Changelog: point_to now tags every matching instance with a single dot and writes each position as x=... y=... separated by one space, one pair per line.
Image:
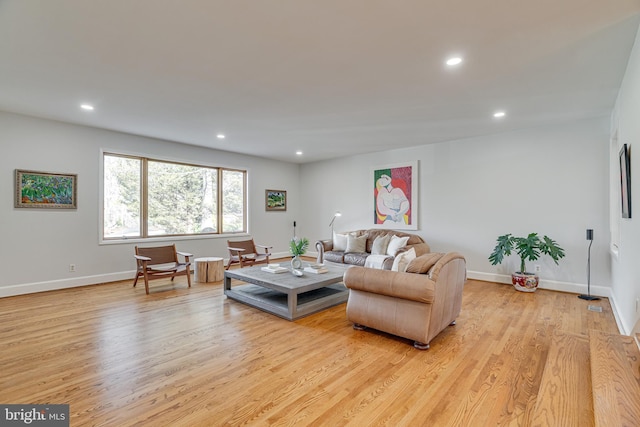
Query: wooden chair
x=244 y=252
x=161 y=261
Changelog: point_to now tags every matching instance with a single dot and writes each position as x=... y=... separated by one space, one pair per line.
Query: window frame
x=144 y=235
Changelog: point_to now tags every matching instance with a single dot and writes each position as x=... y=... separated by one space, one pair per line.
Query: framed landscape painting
x=395 y=196
x=275 y=200
x=45 y=190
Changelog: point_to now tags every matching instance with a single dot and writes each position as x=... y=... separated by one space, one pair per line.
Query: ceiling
x=330 y=78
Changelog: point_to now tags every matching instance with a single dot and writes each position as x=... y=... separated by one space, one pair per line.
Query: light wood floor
x=189 y=357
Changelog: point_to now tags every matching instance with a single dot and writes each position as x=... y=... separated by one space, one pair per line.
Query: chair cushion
x=401 y=262
x=164 y=267
x=423 y=263
x=376 y=261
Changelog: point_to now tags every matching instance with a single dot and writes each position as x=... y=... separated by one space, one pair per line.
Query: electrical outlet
x=72 y=268
x=537 y=268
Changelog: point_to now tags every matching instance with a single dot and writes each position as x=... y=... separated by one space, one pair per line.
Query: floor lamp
x=335 y=215
x=588 y=296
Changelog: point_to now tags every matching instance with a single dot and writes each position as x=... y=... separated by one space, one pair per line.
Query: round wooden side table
x=209 y=269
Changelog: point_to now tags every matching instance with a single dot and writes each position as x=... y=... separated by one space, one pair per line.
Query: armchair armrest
x=434 y=272
x=266 y=249
x=238 y=250
x=186 y=255
x=142 y=258
x=410 y=286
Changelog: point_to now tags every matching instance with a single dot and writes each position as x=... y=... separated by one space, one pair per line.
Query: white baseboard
x=52 y=285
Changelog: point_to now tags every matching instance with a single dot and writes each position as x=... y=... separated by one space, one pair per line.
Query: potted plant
x=528 y=249
x=298 y=247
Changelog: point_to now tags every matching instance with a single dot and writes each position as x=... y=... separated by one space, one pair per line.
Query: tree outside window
x=146 y=198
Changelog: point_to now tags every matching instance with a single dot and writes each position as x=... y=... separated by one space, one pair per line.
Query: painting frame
x=397 y=207
x=275 y=200
x=625 y=181
x=45 y=190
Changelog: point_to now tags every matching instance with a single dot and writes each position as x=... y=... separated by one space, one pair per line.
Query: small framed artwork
x=275 y=200
x=45 y=190
x=625 y=181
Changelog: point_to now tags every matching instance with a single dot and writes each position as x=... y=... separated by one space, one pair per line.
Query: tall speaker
x=588 y=296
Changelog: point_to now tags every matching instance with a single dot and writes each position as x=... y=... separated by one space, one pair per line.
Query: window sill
x=160 y=239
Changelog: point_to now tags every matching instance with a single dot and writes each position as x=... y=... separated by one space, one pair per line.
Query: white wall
x=552 y=181
x=626 y=268
x=38 y=244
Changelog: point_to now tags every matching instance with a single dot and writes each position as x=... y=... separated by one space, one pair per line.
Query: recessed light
x=87 y=107
x=220 y=136
x=299 y=153
x=454 y=61
x=499 y=114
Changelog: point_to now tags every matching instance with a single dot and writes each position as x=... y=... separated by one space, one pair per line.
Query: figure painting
x=395 y=195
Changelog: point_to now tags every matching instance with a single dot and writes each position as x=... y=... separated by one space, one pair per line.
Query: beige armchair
x=417 y=304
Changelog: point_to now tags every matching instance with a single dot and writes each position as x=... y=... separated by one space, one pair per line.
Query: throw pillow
x=356 y=244
x=401 y=262
x=339 y=242
x=423 y=263
x=380 y=245
x=396 y=243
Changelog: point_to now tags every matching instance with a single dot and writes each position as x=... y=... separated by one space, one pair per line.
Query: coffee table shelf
x=284 y=294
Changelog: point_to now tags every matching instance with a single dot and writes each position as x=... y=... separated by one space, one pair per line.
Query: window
x=146 y=198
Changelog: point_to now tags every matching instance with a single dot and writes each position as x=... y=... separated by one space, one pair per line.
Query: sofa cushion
x=401 y=262
x=396 y=243
x=372 y=233
x=380 y=245
x=356 y=244
x=334 y=256
x=339 y=242
x=355 y=258
x=423 y=263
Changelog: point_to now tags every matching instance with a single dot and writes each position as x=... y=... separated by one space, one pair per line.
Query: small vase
x=525 y=282
x=296 y=262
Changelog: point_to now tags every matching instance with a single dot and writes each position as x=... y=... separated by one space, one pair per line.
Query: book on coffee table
x=315 y=270
x=277 y=269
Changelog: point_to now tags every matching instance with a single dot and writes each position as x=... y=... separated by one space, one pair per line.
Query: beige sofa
x=417 y=304
x=326 y=251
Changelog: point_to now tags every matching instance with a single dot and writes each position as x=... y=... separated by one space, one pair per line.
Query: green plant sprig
x=298 y=247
